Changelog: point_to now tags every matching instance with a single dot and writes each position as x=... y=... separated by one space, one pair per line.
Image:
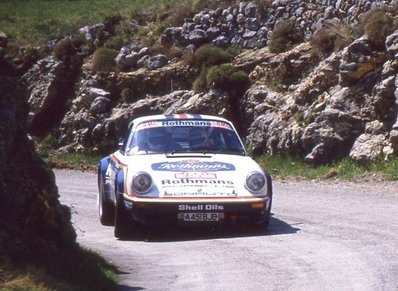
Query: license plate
x=199 y=216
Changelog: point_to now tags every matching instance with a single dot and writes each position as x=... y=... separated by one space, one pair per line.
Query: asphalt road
x=322 y=236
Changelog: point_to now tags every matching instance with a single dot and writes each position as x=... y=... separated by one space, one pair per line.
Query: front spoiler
x=165 y=211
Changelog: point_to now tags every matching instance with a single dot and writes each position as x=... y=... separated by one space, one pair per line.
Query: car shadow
x=189 y=233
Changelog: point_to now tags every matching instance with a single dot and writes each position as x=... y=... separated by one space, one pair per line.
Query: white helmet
x=197 y=137
x=156 y=138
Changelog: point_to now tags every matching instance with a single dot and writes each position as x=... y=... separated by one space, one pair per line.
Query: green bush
x=68 y=46
x=111 y=21
x=200 y=84
x=227 y=77
x=178 y=14
x=116 y=42
x=377 y=25
x=207 y=55
x=63 y=48
x=299 y=117
x=323 y=41
x=284 y=36
x=345 y=33
x=103 y=60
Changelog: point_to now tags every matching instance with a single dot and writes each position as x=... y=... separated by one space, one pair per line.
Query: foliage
x=207 y=55
x=303 y=119
x=170 y=51
x=68 y=46
x=281 y=166
x=334 y=37
x=299 y=117
x=77 y=161
x=227 y=77
x=176 y=15
x=323 y=41
x=200 y=83
x=285 y=167
x=115 y=43
x=46 y=19
x=377 y=25
x=103 y=60
x=284 y=36
x=74 y=270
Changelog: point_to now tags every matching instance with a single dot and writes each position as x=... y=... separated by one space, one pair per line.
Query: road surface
x=322 y=236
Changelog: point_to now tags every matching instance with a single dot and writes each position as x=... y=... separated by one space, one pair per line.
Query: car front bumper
x=231 y=212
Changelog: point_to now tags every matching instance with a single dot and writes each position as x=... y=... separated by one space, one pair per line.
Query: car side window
x=126 y=140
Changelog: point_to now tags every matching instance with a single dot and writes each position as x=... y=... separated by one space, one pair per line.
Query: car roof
x=141 y=119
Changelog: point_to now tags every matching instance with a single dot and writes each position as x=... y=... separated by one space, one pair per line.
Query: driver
x=157 y=139
x=198 y=138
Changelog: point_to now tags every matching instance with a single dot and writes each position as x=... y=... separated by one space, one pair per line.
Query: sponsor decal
x=175 y=193
x=184 y=122
x=184 y=181
x=200 y=123
x=200 y=207
x=149 y=124
x=193 y=166
x=196 y=175
x=198 y=187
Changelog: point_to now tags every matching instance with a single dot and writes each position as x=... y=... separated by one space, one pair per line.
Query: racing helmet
x=197 y=137
x=156 y=138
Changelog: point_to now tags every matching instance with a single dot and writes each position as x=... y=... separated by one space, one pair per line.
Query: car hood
x=192 y=175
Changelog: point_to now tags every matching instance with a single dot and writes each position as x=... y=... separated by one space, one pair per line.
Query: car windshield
x=183 y=136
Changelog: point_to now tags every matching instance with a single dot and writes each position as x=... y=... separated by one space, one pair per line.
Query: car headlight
x=142 y=182
x=256 y=182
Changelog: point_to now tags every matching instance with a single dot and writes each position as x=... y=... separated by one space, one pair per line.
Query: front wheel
x=263 y=224
x=122 y=220
x=106 y=210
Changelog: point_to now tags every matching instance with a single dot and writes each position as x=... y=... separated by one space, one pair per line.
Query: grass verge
x=280 y=167
x=294 y=167
x=33 y=21
x=75 y=270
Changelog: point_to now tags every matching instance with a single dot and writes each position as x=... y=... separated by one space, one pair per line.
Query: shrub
x=111 y=21
x=227 y=77
x=303 y=119
x=323 y=41
x=200 y=84
x=207 y=55
x=345 y=33
x=284 y=36
x=116 y=42
x=103 y=60
x=63 y=48
x=334 y=37
x=199 y=5
x=377 y=25
x=68 y=46
x=299 y=117
x=127 y=95
x=182 y=11
x=170 y=51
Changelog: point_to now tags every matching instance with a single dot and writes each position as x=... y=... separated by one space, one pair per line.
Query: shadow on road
x=185 y=233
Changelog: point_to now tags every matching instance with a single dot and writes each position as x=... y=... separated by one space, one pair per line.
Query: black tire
x=123 y=222
x=106 y=210
x=263 y=225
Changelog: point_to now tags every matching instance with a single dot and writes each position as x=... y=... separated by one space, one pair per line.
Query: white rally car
x=181 y=169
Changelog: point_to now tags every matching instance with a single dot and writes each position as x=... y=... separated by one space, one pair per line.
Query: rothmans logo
x=193 y=166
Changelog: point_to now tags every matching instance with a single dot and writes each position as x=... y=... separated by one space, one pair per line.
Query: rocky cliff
x=32 y=221
x=303 y=98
